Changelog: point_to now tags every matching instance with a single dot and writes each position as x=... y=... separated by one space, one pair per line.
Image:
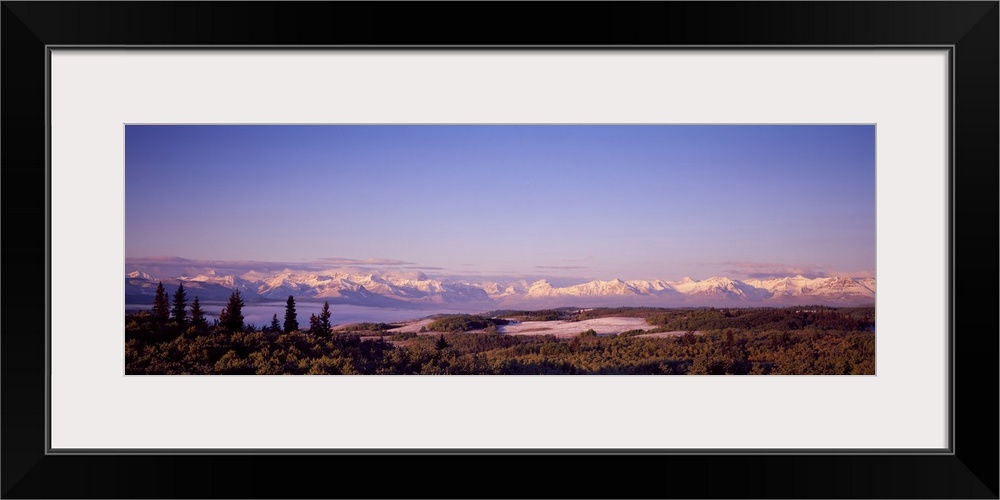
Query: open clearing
x=560 y=329
x=568 y=329
x=413 y=327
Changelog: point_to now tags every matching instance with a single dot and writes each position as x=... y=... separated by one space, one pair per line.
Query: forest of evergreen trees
x=174 y=338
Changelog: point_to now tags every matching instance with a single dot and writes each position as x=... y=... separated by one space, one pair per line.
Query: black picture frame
x=970 y=29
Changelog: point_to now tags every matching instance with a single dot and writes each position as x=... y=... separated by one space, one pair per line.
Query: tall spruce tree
x=231 y=318
x=441 y=343
x=324 y=319
x=291 y=324
x=314 y=325
x=198 y=315
x=161 y=306
x=180 y=306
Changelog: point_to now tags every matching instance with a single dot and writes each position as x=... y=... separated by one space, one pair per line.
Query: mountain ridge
x=417 y=290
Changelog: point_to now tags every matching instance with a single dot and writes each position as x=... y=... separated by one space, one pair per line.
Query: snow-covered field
x=560 y=329
x=413 y=327
x=568 y=329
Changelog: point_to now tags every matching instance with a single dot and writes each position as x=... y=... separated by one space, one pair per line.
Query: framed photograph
x=465 y=246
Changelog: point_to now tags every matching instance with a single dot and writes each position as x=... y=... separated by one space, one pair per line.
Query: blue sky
x=561 y=201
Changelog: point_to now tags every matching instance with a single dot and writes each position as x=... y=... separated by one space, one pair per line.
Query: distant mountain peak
x=139 y=275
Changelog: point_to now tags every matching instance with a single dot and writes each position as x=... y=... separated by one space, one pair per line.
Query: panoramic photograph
x=499 y=250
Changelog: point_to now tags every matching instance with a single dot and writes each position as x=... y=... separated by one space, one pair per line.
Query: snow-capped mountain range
x=397 y=289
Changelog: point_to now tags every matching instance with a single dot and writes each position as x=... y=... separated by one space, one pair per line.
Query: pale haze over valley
x=489 y=216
